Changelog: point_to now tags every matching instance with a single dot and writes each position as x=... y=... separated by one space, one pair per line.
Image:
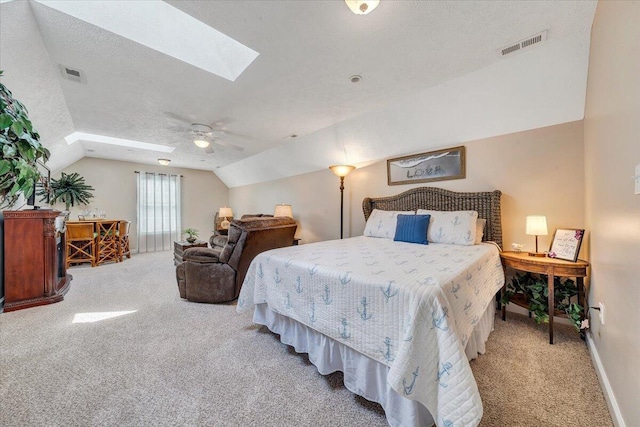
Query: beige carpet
x=163 y=362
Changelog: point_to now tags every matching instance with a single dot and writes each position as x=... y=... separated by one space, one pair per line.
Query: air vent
x=73 y=74
x=523 y=44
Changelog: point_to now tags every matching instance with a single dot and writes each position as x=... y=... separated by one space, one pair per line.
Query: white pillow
x=451 y=227
x=383 y=223
x=480 y=223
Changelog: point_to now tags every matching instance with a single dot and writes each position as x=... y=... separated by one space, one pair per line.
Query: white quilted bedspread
x=411 y=307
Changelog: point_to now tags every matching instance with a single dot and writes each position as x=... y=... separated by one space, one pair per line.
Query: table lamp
x=283 y=210
x=536 y=226
x=225 y=212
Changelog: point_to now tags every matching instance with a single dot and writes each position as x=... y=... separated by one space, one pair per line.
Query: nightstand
x=180 y=247
x=552 y=267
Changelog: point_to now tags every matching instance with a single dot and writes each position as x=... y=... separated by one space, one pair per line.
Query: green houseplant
x=20 y=152
x=191 y=233
x=70 y=189
x=536 y=293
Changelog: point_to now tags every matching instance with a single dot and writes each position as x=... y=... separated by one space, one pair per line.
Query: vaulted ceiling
x=419 y=61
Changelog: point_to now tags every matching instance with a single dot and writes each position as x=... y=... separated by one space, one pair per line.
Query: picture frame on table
x=566 y=244
x=438 y=165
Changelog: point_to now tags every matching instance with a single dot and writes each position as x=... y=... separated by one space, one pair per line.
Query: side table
x=180 y=247
x=552 y=267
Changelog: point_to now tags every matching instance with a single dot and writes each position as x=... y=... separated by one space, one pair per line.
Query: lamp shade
x=362 y=7
x=283 y=210
x=342 y=170
x=225 y=212
x=536 y=225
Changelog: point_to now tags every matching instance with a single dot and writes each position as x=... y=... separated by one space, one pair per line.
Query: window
x=159 y=211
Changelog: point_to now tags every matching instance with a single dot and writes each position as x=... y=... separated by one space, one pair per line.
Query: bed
x=400 y=320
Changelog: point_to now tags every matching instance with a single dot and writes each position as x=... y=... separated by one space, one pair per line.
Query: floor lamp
x=341 y=171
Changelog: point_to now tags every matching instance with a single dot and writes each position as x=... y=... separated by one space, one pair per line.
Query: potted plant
x=71 y=189
x=535 y=291
x=191 y=233
x=21 y=149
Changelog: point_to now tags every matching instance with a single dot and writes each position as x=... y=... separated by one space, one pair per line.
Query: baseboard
x=614 y=409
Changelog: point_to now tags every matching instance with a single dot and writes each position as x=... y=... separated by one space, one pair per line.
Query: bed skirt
x=363 y=375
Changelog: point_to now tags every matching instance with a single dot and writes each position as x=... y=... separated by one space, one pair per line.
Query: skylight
x=81 y=136
x=164 y=28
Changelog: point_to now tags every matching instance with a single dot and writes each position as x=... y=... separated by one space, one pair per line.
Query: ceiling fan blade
x=227 y=144
x=178 y=117
x=209 y=149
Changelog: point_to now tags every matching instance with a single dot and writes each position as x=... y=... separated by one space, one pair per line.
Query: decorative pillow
x=480 y=223
x=412 y=229
x=383 y=223
x=452 y=227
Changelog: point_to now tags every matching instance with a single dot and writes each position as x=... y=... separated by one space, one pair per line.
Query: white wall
x=539 y=172
x=115 y=192
x=612 y=149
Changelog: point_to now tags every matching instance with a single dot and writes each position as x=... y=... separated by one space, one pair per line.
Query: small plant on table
x=192 y=234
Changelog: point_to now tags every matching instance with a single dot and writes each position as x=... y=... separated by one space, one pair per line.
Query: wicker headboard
x=487 y=204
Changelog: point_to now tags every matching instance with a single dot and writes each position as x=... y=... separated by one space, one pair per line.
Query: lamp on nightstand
x=225 y=213
x=536 y=226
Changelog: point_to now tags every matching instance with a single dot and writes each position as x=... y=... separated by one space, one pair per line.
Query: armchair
x=216 y=275
x=218 y=239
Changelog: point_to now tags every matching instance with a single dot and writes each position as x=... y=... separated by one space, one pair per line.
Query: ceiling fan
x=204 y=135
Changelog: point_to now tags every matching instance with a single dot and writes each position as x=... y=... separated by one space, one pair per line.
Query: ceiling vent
x=523 y=44
x=73 y=74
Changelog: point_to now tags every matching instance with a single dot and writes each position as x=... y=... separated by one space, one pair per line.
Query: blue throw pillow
x=412 y=229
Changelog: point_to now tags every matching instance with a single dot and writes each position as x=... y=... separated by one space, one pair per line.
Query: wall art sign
x=437 y=165
x=566 y=244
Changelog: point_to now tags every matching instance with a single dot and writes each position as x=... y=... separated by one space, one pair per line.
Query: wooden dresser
x=34 y=268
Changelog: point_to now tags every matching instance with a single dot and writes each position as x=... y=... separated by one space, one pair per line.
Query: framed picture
x=437 y=165
x=566 y=244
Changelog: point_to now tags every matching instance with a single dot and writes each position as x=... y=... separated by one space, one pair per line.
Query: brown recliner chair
x=213 y=275
x=218 y=240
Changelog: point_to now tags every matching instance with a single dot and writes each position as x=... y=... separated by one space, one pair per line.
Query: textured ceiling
x=299 y=84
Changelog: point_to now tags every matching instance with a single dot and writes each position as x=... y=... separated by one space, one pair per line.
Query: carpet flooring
x=123 y=349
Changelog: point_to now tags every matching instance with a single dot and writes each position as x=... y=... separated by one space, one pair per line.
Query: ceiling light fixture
x=164 y=162
x=355 y=78
x=200 y=132
x=362 y=7
x=201 y=142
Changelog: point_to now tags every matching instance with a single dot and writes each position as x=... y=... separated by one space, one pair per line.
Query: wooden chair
x=107 y=241
x=123 y=240
x=81 y=244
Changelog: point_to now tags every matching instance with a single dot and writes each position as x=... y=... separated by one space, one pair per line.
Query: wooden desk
x=551 y=267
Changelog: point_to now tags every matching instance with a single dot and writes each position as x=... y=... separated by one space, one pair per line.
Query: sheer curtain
x=159 y=211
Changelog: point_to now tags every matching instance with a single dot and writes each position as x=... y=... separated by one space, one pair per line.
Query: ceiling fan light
x=362 y=7
x=201 y=142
